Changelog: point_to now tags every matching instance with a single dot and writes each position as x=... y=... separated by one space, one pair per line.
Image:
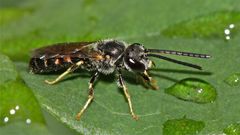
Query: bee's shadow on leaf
x=179 y=71
x=156 y=73
x=133 y=78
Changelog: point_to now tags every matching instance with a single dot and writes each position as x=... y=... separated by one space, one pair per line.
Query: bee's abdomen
x=38 y=65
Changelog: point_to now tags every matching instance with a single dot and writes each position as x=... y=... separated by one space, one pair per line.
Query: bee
x=102 y=57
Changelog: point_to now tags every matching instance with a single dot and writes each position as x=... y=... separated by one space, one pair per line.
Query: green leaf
x=208 y=26
x=7 y=69
x=18 y=128
x=11 y=14
x=182 y=126
x=233 y=80
x=232 y=129
x=133 y=21
x=192 y=89
x=19 y=110
x=17 y=97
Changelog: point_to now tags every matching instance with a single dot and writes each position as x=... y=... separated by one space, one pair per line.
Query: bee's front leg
x=149 y=80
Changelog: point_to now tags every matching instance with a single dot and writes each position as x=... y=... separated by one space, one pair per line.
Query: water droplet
x=193 y=89
x=28 y=121
x=228 y=38
x=12 y=112
x=227 y=31
x=232 y=129
x=231 y=26
x=182 y=126
x=17 y=107
x=233 y=80
x=200 y=90
x=6 y=119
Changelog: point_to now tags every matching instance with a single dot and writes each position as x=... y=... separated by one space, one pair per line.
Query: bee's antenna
x=178 y=53
x=175 y=61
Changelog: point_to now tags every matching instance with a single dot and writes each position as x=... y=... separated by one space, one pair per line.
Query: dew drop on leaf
x=17 y=107
x=193 y=89
x=231 y=26
x=6 y=119
x=182 y=126
x=28 y=121
x=12 y=111
x=228 y=37
x=227 y=31
x=232 y=129
x=233 y=80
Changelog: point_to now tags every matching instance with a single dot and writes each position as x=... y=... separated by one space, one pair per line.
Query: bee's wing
x=62 y=50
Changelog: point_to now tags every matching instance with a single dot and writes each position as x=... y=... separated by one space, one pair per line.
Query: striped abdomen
x=58 y=56
x=38 y=65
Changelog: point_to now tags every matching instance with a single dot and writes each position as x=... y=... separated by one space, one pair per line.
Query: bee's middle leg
x=126 y=93
x=90 y=95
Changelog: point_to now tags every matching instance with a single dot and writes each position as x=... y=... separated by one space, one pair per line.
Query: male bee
x=102 y=57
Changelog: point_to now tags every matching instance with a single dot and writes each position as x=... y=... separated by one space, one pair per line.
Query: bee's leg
x=90 y=95
x=69 y=70
x=122 y=84
x=144 y=82
x=150 y=80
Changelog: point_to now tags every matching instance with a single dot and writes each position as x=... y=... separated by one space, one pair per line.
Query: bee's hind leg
x=69 y=70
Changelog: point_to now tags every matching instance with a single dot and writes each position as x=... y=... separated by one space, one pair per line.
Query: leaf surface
x=20 y=112
x=155 y=24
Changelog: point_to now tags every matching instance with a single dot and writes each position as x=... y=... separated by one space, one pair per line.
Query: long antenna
x=196 y=55
x=175 y=61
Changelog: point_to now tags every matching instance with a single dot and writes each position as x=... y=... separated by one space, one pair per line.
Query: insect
x=102 y=57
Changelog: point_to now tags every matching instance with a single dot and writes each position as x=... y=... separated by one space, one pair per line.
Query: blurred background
x=28 y=106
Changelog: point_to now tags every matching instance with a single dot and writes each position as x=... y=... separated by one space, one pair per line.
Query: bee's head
x=135 y=58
